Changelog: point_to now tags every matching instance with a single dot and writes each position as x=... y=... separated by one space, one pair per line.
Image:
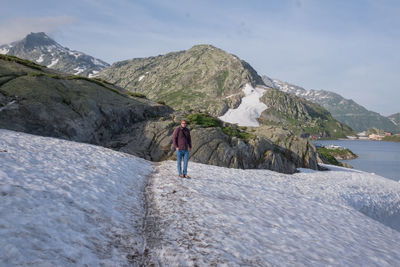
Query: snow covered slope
x=261 y=218
x=64 y=203
x=249 y=110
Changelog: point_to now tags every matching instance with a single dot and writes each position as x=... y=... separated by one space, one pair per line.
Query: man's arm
x=190 y=141
x=175 y=138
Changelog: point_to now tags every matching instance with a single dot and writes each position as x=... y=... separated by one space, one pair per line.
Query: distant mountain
x=40 y=48
x=208 y=79
x=344 y=110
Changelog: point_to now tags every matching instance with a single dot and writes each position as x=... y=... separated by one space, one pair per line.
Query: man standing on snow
x=183 y=145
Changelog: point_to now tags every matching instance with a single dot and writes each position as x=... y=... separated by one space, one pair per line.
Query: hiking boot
x=182 y=176
x=186 y=176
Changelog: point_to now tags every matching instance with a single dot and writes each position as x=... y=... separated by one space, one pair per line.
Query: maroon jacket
x=181 y=138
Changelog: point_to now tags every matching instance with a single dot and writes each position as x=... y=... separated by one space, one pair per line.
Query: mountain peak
x=207 y=48
x=203 y=46
x=40 y=48
x=33 y=40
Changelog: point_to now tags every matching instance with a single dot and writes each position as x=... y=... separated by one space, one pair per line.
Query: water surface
x=380 y=157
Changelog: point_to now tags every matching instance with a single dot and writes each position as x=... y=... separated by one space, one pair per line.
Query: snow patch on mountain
x=141 y=77
x=249 y=110
x=79 y=70
x=93 y=74
x=6 y=106
x=95 y=61
x=53 y=63
x=40 y=59
x=4 y=50
x=394 y=121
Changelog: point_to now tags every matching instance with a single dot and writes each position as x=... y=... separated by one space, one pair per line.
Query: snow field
x=233 y=217
x=249 y=110
x=64 y=203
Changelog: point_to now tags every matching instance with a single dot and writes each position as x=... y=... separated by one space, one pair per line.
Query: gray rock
x=152 y=140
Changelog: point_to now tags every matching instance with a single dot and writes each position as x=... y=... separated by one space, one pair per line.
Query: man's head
x=183 y=123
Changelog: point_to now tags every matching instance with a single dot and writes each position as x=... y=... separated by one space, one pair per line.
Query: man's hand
x=177 y=149
x=190 y=149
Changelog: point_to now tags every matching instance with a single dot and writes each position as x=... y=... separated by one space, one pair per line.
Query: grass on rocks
x=205 y=120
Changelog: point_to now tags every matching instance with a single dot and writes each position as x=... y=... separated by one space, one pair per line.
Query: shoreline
x=381 y=158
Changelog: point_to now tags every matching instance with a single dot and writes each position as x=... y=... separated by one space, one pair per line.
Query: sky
x=348 y=47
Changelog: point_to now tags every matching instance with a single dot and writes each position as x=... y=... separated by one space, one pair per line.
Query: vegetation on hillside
x=338 y=153
x=21 y=61
x=205 y=120
x=326 y=154
x=331 y=156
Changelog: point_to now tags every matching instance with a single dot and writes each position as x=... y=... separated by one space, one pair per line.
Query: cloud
x=18 y=28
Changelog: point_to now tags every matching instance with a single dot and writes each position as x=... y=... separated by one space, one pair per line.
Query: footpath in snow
x=258 y=218
x=64 y=203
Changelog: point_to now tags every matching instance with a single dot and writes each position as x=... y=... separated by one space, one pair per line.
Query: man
x=183 y=145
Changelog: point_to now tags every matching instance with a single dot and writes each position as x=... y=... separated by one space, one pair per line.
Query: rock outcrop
x=47 y=103
x=153 y=141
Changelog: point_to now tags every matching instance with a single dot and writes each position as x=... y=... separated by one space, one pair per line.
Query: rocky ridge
x=344 y=110
x=301 y=116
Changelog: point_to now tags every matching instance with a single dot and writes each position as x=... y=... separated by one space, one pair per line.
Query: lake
x=382 y=158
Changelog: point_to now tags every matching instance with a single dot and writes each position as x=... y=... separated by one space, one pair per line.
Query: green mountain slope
x=207 y=79
x=199 y=78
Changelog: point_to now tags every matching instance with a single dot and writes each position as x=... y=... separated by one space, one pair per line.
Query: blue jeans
x=185 y=155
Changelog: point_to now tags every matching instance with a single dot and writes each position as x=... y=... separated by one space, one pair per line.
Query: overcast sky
x=350 y=47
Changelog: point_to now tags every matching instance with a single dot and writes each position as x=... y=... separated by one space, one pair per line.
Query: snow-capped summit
x=40 y=48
